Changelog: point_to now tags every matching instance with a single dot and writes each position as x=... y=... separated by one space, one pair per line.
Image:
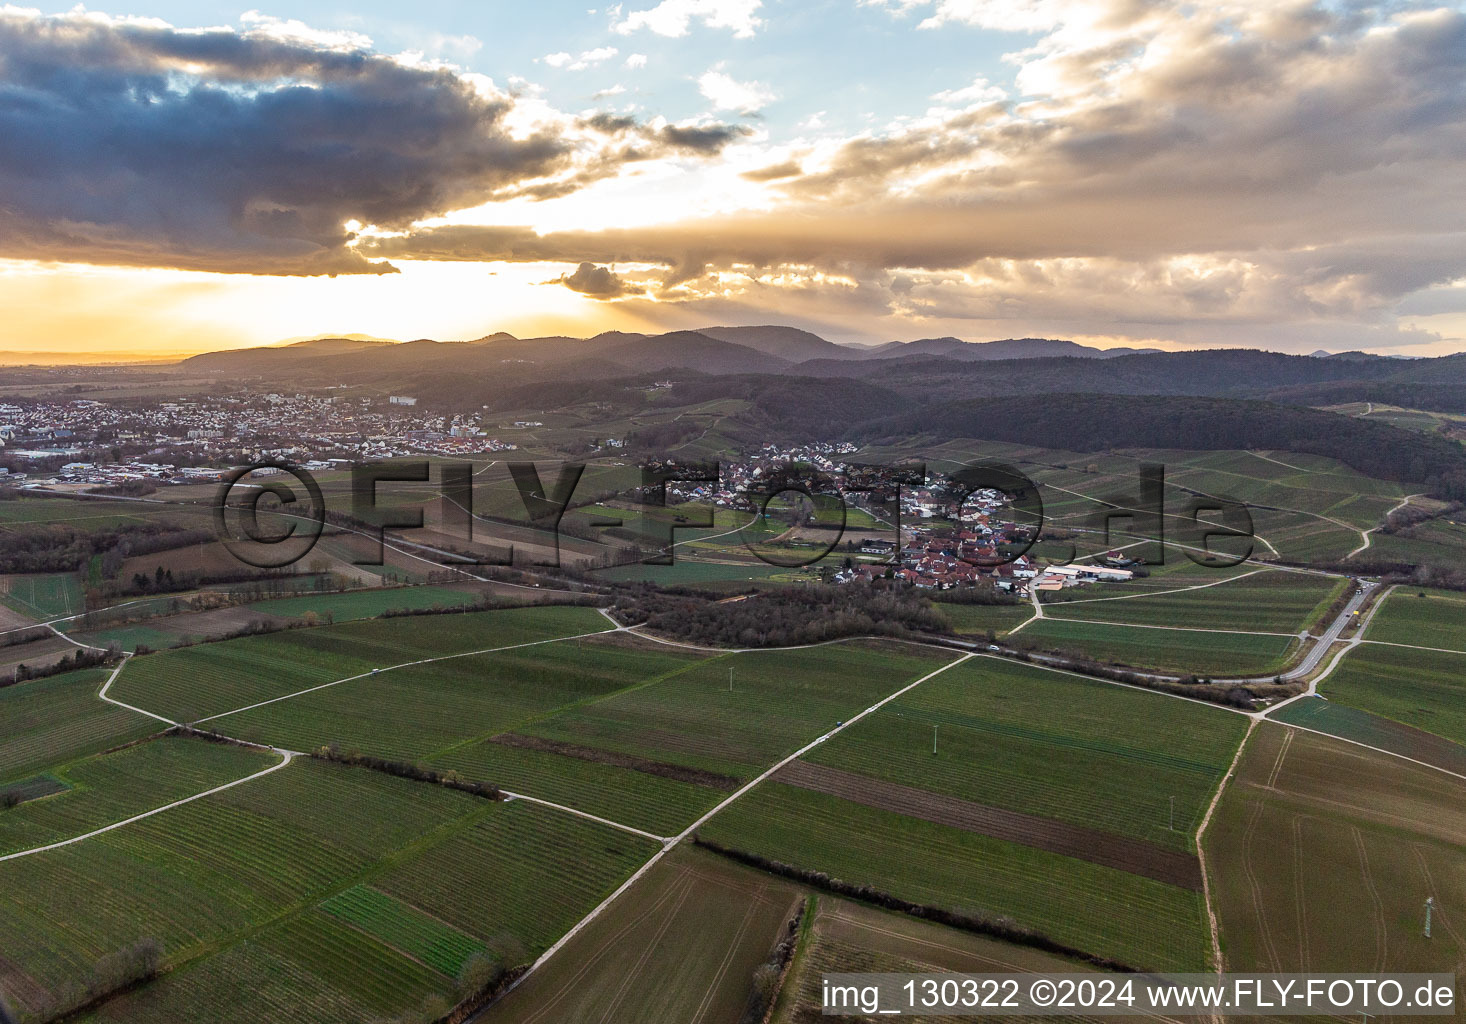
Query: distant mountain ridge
x=710 y=349
x=1008 y=348
x=484 y=371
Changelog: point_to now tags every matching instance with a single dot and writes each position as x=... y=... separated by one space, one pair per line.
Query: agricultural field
x=345 y=606
x=329 y=893
x=1321 y=855
x=1306 y=507
x=1261 y=601
x=1093 y=755
x=130 y=638
x=43 y=652
x=1181 y=651
x=211 y=679
x=519 y=877
x=659 y=804
x=736 y=714
x=82 y=514
x=193 y=876
x=421 y=712
x=685 y=571
x=1041 y=807
x=1349 y=723
x=1423 y=689
x=1438 y=543
x=845 y=936
x=422 y=937
x=1136 y=920
x=310 y=969
x=50 y=722
x=106 y=788
x=1421 y=618
x=1290 y=481
x=680 y=945
x=980 y=619
x=42 y=595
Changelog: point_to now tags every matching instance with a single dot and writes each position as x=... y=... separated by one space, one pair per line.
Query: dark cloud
x=787 y=169
x=709 y=138
x=132 y=143
x=648 y=140
x=597 y=282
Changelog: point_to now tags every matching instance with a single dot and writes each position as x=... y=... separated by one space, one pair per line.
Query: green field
x=130 y=638
x=1348 y=723
x=319 y=885
x=1439 y=543
x=1101 y=910
x=1421 y=618
x=43 y=596
x=658 y=805
x=425 y=711
x=309 y=969
x=421 y=937
x=49 y=722
x=1423 y=689
x=1321 y=855
x=365 y=604
x=84 y=514
x=1089 y=753
x=687 y=571
x=980 y=619
x=211 y=679
x=773 y=703
x=196 y=875
x=111 y=787
x=1181 y=651
x=1271 y=602
x=519 y=878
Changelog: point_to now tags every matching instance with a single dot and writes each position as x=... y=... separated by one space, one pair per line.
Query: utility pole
x=1173 y=814
x=1429 y=903
x=730 y=678
x=934 y=739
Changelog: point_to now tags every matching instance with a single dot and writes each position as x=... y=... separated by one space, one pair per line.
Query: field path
x=1254 y=889
x=1278 y=462
x=286 y=757
x=700 y=822
x=392 y=668
x=1211 y=915
x=102 y=693
x=1300 y=900
x=586 y=815
x=1174 y=590
x=1381 y=931
x=1367 y=536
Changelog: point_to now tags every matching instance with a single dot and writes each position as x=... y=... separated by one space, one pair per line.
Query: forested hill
x=1087 y=423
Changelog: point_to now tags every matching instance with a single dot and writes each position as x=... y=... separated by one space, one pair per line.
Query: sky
x=177 y=177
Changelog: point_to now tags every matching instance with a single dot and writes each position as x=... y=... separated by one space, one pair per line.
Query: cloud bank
x=130 y=142
x=1242 y=163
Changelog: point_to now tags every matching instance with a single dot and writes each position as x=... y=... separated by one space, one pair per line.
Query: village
x=59 y=442
x=948 y=538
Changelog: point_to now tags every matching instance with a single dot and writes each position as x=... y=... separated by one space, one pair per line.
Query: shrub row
x=88 y=657
x=979 y=924
x=406 y=770
x=768 y=977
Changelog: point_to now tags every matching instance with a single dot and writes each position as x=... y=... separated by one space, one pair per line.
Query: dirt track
x=1132 y=855
x=696 y=776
